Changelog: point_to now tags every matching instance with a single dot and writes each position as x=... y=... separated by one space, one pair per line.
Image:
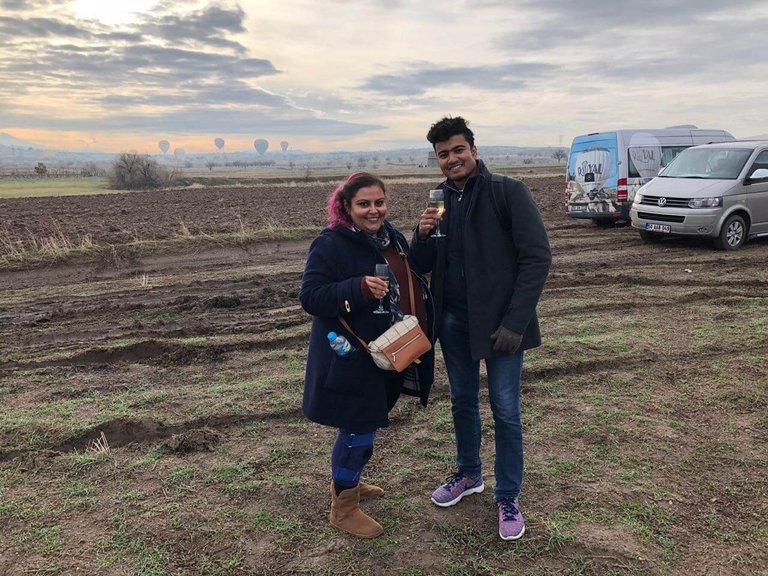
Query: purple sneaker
x=455 y=489
x=511 y=522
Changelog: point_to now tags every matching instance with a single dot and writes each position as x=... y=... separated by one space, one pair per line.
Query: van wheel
x=649 y=237
x=733 y=234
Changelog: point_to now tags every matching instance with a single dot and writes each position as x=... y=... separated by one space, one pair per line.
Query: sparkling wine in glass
x=437 y=200
x=382 y=271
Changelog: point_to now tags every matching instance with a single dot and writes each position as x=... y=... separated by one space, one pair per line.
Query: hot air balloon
x=179 y=153
x=284 y=145
x=594 y=168
x=164 y=145
x=645 y=152
x=261 y=145
x=219 y=143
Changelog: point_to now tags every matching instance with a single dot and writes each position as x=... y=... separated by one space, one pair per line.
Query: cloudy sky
x=374 y=74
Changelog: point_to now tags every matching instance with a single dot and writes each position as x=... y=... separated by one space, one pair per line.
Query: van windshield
x=708 y=163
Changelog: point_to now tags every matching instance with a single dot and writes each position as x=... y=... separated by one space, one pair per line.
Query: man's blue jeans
x=504 y=372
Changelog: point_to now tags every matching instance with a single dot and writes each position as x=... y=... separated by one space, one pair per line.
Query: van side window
x=652 y=166
x=761 y=161
x=668 y=153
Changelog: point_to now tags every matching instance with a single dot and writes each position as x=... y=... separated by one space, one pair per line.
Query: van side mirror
x=759 y=174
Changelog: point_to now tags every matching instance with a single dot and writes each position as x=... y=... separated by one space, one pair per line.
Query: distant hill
x=8 y=140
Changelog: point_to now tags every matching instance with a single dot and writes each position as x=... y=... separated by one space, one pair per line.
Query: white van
x=605 y=169
x=717 y=191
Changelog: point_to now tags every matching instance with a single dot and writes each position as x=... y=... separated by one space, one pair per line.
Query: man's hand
x=505 y=340
x=427 y=222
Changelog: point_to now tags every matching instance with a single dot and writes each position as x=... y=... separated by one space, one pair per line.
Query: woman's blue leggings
x=351 y=453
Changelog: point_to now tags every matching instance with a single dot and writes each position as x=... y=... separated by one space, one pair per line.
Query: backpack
x=499 y=202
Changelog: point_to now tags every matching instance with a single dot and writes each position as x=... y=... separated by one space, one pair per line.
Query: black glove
x=505 y=340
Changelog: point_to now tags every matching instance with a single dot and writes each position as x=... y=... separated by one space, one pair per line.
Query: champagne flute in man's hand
x=382 y=272
x=437 y=200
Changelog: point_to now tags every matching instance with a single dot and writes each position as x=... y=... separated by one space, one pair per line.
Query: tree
x=41 y=169
x=559 y=155
x=210 y=166
x=137 y=171
x=90 y=170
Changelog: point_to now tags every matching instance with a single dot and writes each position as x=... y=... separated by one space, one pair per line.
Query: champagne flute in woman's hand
x=437 y=200
x=382 y=272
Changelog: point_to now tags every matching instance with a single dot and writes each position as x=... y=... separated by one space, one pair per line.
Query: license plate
x=578 y=208
x=658 y=227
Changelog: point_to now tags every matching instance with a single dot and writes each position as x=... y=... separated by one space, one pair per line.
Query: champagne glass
x=382 y=272
x=437 y=200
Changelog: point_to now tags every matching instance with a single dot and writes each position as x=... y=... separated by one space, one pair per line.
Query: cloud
x=233 y=92
x=37 y=28
x=25 y=5
x=207 y=120
x=418 y=81
x=206 y=27
x=172 y=71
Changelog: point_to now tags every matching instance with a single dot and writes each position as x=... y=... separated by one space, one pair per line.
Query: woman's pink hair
x=344 y=193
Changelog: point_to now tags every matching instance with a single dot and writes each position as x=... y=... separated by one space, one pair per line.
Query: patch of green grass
x=442 y=419
x=46 y=570
x=580 y=566
x=181 y=476
x=148 y=400
x=41 y=187
x=20 y=509
x=130 y=496
x=153 y=455
x=46 y=540
x=651 y=523
x=124 y=547
x=230 y=564
x=77 y=489
x=80 y=461
x=560 y=527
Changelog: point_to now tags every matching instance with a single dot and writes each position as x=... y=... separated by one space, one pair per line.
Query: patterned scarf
x=381 y=242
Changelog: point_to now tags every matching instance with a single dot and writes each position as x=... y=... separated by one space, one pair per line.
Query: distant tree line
x=41 y=170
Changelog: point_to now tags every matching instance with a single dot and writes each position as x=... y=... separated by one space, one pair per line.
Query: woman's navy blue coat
x=350 y=392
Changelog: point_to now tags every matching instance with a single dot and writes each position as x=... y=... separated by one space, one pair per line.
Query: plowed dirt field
x=181 y=346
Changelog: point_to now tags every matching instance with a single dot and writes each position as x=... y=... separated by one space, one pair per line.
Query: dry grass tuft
x=99 y=446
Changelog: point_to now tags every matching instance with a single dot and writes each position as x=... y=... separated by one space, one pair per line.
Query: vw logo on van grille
x=662 y=201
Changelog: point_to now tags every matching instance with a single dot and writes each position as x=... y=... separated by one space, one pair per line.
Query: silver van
x=717 y=191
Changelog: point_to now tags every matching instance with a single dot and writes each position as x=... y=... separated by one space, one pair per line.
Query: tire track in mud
x=625 y=363
x=260 y=303
x=562 y=280
x=163 y=353
x=122 y=432
x=715 y=297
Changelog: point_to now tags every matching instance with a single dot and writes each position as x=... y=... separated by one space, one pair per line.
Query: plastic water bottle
x=340 y=345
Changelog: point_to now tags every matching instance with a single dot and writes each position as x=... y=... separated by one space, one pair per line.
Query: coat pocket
x=348 y=375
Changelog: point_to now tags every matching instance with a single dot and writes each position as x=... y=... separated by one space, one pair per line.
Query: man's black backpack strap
x=499 y=201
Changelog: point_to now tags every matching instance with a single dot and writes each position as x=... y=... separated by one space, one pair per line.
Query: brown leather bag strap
x=410 y=282
x=344 y=323
x=410 y=292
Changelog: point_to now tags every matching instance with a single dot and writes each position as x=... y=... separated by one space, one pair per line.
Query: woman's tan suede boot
x=368 y=491
x=346 y=514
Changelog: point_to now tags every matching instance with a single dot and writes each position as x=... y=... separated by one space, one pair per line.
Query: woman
x=349 y=392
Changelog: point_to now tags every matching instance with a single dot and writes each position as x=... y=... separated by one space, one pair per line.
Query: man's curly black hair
x=447 y=127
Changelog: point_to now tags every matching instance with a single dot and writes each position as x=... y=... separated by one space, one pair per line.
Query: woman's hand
x=427 y=222
x=374 y=288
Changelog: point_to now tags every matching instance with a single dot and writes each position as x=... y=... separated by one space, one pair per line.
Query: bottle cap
x=331 y=336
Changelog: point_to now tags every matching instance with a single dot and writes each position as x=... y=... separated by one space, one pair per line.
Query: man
x=486 y=282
